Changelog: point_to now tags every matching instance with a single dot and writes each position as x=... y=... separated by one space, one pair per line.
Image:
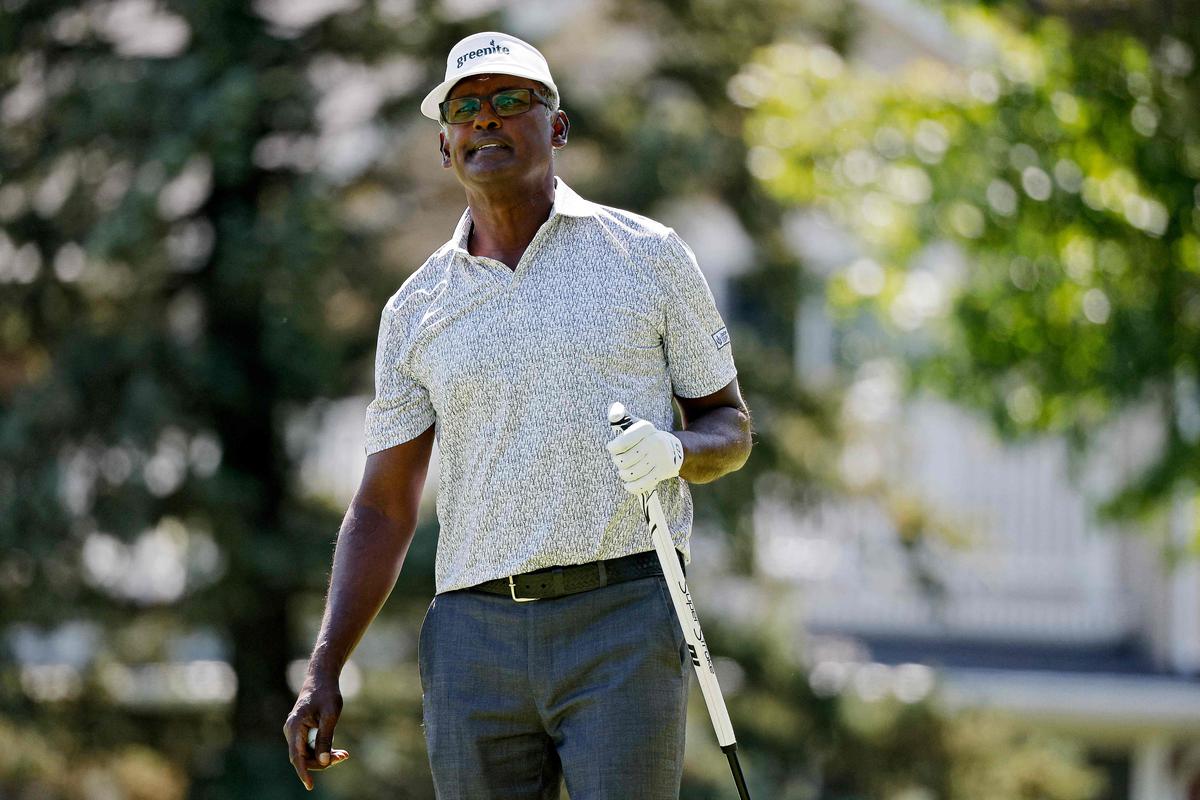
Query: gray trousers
x=591 y=688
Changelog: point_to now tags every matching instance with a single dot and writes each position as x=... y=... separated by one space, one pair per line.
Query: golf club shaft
x=685 y=612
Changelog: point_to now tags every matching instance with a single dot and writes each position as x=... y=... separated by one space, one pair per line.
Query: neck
x=505 y=218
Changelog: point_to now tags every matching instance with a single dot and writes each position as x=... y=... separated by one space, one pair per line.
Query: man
x=551 y=649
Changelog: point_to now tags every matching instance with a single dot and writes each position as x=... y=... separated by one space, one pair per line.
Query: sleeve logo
x=721 y=338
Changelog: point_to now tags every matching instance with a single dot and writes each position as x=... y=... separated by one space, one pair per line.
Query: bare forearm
x=715 y=444
x=370 y=551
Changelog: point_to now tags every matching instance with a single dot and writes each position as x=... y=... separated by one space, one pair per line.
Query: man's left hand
x=644 y=455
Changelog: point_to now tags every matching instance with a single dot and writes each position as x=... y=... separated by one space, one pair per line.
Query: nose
x=486 y=119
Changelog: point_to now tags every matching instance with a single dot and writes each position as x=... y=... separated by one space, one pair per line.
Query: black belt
x=551 y=582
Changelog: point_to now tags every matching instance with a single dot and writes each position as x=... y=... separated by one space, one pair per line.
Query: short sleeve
x=699 y=354
x=401 y=409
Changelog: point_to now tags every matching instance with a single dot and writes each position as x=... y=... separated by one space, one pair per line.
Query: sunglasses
x=508 y=103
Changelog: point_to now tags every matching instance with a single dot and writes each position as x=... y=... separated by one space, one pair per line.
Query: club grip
x=618 y=418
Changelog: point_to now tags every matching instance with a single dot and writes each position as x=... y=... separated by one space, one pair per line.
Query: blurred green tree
x=176 y=291
x=1061 y=157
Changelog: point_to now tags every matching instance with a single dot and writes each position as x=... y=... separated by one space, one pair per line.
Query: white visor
x=484 y=54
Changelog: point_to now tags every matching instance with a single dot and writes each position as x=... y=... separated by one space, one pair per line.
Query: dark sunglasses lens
x=512 y=102
x=463 y=109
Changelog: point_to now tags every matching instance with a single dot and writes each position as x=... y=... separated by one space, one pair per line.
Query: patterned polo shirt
x=517 y=369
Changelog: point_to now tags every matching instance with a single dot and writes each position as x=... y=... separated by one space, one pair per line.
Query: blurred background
x=958 y=249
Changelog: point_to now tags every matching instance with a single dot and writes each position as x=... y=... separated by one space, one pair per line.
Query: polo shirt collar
x=566 y=203
x=569 y=204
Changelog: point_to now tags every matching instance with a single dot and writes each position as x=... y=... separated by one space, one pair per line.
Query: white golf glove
x=644 y=455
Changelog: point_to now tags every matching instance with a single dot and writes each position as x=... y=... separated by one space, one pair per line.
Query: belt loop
x=603 y=574
x=557 y=582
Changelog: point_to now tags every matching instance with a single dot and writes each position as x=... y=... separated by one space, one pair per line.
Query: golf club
x=619 y=420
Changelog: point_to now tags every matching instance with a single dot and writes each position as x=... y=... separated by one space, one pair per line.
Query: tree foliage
x=1063 y=163
x=174 y=294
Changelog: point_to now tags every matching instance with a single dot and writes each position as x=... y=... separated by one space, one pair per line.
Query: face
x=522 y=146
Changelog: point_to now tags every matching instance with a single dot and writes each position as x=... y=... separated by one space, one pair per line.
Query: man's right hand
x=317 y=708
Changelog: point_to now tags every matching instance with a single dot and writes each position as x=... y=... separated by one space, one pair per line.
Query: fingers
x=636 y=472
x=309 y=734
x=303 y=759
x=324 y=742
x=644 y=455
x=642 y=476
x=642 y=486
x=296 y=732
x=630 y=457
x=335 y=757
x=630 y=437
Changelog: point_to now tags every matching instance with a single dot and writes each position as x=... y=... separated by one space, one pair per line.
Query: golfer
x=551 y=650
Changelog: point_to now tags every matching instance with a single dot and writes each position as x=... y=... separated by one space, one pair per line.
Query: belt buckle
x=512 y=589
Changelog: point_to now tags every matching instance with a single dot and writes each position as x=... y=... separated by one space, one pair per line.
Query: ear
x=444 y=149
x=560 y=129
